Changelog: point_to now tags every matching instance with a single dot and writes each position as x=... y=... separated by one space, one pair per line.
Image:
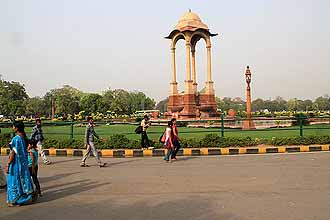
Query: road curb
x=183 y=152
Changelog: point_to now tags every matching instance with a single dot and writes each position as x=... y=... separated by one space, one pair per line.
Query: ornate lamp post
x=248 y=124
x=248 y=92
x=53 y=107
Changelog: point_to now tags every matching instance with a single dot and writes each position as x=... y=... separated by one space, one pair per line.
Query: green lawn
x=63 y=132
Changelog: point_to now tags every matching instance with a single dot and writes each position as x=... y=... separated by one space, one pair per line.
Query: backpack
x=139 y=130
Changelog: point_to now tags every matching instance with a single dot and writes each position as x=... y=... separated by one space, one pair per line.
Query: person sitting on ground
x=33 y=164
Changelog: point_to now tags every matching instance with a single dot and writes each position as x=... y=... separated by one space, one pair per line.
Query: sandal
x=84 y=165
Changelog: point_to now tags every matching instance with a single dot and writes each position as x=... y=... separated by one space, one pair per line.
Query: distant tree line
x=14 y=101
x=278 y=104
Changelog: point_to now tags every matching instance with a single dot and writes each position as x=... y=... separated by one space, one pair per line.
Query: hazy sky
x=96 y=44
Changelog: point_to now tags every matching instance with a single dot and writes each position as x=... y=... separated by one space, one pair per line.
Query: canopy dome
x=190 y=20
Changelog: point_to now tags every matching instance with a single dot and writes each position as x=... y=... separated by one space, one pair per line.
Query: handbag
x=162 y=138
x=139 y=129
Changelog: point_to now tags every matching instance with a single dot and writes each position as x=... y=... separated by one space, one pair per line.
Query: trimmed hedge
x=119 y=141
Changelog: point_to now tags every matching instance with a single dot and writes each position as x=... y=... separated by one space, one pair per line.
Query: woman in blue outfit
x=19 y=185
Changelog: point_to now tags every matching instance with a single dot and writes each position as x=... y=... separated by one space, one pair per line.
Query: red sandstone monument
x=191 y=104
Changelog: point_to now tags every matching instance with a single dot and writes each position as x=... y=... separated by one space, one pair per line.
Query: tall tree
x=67 y=100
x=36 y=106
x=120 y=102
x=162 y=105
x=12 y=98
x=91 y=103
x=323 y=103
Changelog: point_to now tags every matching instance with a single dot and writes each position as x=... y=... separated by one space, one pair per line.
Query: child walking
x=33 y=164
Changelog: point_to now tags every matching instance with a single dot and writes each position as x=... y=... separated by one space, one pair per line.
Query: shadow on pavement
x=80 y=186
x=120 y=162
x=110 y=163
x=191 y=207
x=185 y=158
x=55 y=177
x=64 y=161
x=63 y=184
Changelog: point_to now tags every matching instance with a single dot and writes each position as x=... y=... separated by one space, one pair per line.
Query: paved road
x=241 y=187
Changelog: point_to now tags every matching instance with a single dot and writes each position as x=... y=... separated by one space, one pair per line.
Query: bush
x=5 y=139
x=211 y=140
x=191 y=142
x=117 y=141
x=182 y=123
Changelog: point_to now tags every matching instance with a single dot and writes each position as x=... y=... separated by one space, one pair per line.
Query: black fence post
x=71 y=131
x=301 y=125
x=222 y=126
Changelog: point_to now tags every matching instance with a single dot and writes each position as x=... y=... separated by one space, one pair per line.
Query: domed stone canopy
x=191 y=103
x=190 y=21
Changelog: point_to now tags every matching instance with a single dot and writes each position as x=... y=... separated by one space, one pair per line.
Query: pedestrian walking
x=19 y=185
x=38 y=137
x=145 y=124
x=33 y=164
x=176 y=140
x=169 y=141
x=89 y=143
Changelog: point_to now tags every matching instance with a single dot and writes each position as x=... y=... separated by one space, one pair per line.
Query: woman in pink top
x=169 y=141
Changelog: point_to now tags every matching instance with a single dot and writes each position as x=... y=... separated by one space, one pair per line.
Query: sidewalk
x=184 y=151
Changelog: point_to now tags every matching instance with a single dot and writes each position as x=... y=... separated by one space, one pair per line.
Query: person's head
x=32 y=144
x=146 y=117
x=18 y=127
x=90 y=119
x=173 y=120
x=169 y=124
x=38 y=121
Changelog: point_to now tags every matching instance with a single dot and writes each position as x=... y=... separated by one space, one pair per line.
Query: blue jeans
x=177 y=147
x=169 y=154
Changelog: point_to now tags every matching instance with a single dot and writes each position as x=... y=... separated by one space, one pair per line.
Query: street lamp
x=248 y=76
x=248 y=91
x=249 y=123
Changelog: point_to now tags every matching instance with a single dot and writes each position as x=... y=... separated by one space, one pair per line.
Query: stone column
x=193 y=65
x=248 y=101
x=188 y=81
x=248 y=124
x=174 y=84
x=209 y=83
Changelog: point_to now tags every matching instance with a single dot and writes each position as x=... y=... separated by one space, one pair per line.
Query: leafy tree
x=323 y=103
x=293 y=105
x=307 y=105
x=36 y=106
x=228 y=103
x=67 y=100
x=120 y=102
x=139 y=101
x=12 y=98
x=162 y=105
x=91 y=103
x=107 y=98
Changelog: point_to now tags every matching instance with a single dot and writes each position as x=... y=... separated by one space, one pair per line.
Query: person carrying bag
x=168 y=141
